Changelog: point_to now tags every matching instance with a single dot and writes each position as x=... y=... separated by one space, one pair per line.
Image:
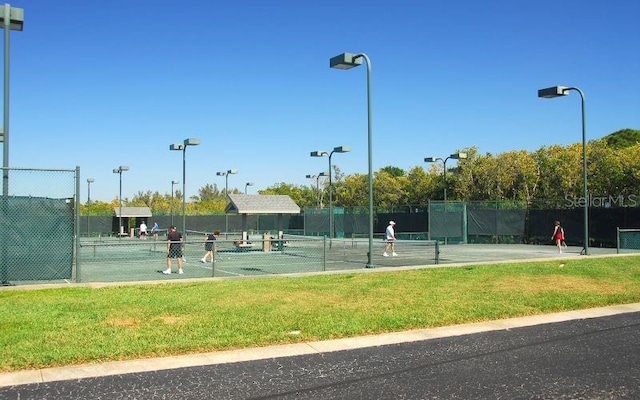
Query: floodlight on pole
x=454 y=156
x=245 y=186
x=183 y=147
x=12 y=20
x=119 y=171
x=558 y=91
x=172 y=192
x=89 y=182
x=348 y=61
x=339 y=149
x=317 y=178
x=226 y=174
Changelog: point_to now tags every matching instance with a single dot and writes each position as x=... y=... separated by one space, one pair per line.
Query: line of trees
x=548 y=173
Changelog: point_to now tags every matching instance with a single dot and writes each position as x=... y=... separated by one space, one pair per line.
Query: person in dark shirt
x=174 y=250
x=208 y=246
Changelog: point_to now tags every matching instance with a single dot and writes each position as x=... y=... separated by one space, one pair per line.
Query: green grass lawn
x=74 y=325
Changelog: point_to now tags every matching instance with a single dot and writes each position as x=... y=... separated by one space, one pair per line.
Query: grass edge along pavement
x=78 y=325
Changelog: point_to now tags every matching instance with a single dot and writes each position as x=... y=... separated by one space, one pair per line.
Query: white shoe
x=180 y=271
x=184 y=259
x=394 y=254
x=167 y=272
x=385 y=254
x=203 y=260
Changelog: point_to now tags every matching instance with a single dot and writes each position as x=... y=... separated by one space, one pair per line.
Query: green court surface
x=132 y=259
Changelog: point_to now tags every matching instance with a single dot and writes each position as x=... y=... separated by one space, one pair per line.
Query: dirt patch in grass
x=113 y=321
x=557 y=283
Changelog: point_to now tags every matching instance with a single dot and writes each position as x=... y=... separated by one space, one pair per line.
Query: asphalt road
x=592 y=358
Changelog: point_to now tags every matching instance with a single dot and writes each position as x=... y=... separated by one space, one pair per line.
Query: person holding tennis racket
x=558 y=235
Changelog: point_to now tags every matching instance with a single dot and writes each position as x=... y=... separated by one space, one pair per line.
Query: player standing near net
x=558 y=235
x=155 y=229
x=390 y=237
x=174 y=250
x=208 y=246
x=143 y=231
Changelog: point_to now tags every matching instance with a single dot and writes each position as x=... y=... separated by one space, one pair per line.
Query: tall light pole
x=557 y=91
x=348 y=61
x=12 y=20
x=317 y=178
x=89 y=182
x=183 y=146
x=340 y=149
x=119 y=171
x=245 y=186
x=172 y=192
x=226 y=192
x=454 y=156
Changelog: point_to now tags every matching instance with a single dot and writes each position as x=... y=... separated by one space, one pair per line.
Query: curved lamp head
x=459 y=156
x=345 y=61
x=554 y=91
x=341 y=149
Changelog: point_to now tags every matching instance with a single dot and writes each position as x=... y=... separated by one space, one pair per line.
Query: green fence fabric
x=37 y=236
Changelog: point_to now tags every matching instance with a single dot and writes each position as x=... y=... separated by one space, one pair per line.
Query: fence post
x=76 y=250
x=213 y=259
x=324 y=253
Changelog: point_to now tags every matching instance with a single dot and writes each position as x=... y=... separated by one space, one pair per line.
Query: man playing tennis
x=390 y=237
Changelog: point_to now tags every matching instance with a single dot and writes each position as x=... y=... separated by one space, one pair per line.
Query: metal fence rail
x=628 y=240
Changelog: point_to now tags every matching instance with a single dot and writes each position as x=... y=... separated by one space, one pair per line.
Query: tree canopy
x=551 y=172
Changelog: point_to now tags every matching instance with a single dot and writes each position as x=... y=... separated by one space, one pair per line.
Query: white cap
x=391 y=223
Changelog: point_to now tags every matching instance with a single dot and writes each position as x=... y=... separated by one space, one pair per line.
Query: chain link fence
x=110 y=259
x=628 y=240
x=37 y=225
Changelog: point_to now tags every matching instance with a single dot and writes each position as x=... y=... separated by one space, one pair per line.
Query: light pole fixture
x=245 y=186
x=557 y=91
x=183 y=146
x=89 y=182
x=348 y=61
x=454 y=156
x=340 y=149
x=12 y=20
x=226 y=178
x=119 y=171
x=226 y=192
x=172 y=192
x=317 y=178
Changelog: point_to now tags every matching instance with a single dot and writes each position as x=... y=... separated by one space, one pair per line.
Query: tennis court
x=131 y=259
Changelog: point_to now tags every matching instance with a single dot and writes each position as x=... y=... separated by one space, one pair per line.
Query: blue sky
x=101 y=84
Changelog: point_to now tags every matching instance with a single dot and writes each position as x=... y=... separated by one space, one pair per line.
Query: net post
x=213 y=260
x=324 y=253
